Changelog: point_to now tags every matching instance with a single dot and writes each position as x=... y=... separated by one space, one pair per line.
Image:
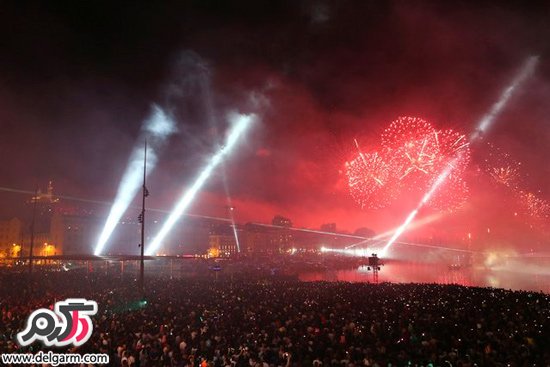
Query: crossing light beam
x=240 y=124
x=157 y=128
x=484 y=124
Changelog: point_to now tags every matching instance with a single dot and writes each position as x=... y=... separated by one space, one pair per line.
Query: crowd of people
x=206 y=321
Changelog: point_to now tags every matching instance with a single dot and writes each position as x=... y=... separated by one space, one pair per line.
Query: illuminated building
x=222 y=245
x=10 y=237
x=44 y=205
x=222 y=239
x=45 y=198
x=58 y=229
x=276 y=238
x=256 y=238
x=281 y=237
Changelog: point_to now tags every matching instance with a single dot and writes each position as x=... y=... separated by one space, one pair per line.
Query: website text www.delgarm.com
x=54 y=359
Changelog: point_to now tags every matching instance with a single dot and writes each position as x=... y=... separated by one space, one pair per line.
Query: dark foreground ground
x=277 y=322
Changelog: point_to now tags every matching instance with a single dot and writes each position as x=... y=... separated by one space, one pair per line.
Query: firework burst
x=412 y=144
x=534 y=206
x=405 y=130
x=502 y=168
x=412 y=157
x=507 y=176
x=453 y=151
x=420 y=153
x=367 y=175
x=453 y=148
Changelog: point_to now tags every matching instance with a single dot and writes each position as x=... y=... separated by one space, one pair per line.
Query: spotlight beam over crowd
x=240 y=124
x=156 y=129
x=485 y=123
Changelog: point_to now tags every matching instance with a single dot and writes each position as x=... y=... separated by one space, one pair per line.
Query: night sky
x=78 y=78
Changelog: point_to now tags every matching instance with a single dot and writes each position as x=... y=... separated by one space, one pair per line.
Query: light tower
x=141 y=219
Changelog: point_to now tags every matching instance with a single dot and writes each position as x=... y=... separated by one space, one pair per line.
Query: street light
x=48 y=249
x=16 y=250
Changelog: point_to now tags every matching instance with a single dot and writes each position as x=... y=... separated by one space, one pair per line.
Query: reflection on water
x=516 y=276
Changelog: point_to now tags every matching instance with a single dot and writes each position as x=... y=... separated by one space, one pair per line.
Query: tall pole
x=145 y=193
x=35 y=200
